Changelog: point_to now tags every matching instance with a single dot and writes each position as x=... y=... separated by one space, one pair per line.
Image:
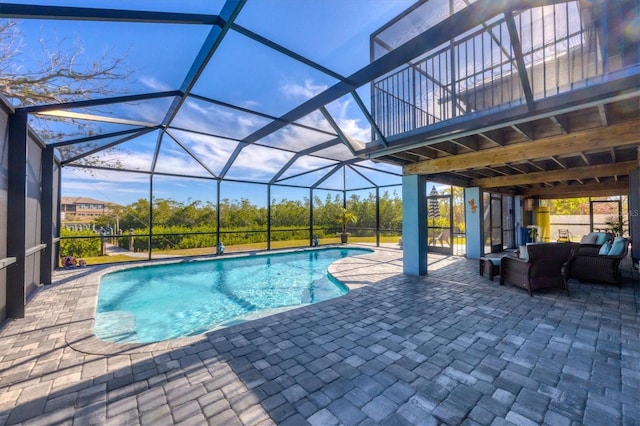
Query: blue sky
x=332 y=33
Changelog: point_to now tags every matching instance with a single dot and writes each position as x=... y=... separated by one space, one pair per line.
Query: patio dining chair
x=564 y=236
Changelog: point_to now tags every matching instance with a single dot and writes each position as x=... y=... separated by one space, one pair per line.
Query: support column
x=46 y=259
x=17 y=211
x=414 y=225
x=473 y=222
x=634 y=212
x=269 y=217
x=518 y=206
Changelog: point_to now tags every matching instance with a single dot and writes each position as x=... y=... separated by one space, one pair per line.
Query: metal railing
x=561 y=51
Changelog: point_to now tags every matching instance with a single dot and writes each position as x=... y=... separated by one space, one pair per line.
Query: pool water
x=160 y=302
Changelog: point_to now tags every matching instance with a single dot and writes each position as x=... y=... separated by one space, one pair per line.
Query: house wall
x=634 y=211
x=33 y=204
x=4 y=185
x=55 y=215
x=34 y=215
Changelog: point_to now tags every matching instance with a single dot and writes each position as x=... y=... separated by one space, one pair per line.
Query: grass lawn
x=235 y=249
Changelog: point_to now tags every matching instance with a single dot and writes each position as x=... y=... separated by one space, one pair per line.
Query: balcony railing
x=563 y=47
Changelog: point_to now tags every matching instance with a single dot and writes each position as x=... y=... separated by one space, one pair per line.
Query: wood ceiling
x=586 y=151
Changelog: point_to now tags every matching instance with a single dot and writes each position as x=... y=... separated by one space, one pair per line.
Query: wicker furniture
x=489 y=266
x=547 y=266
x=594 y=245
x=590 y=266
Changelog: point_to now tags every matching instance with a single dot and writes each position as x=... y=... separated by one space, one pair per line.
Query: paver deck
x=448 y=348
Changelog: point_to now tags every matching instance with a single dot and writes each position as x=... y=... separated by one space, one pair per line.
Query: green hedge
x=79 y=247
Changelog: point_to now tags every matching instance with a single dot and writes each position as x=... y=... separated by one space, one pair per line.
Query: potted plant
x=344 y=218
x=616 y=225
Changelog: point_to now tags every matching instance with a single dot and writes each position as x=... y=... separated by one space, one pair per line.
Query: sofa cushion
x=524 y=254
x=601 y=237
x=589 y=238
x=604 y=250
x=617 y=248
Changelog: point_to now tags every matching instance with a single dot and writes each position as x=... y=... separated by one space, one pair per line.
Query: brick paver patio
x=449 y=348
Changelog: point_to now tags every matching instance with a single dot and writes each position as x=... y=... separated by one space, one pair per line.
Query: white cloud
x=218 y=120
x=305 y=91
x=154 y=84
x=258 y=162
x=116 y=187
x=214 y=152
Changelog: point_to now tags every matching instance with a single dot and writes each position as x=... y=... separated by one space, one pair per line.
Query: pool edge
x=79 y=335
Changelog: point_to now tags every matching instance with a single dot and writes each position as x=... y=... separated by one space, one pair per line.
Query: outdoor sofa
x=593 y=241
x=602 y=266
x=547 y=265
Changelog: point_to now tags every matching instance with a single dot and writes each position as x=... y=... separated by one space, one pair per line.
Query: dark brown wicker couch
x=590 y=266
x=547 y=267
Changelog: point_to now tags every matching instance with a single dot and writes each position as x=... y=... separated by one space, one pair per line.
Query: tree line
x=193 y=223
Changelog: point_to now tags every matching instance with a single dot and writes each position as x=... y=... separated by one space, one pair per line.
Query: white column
x=473 y=222
x=414 y=224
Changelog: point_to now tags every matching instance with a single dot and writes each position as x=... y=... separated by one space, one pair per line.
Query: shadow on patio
x=448 y=348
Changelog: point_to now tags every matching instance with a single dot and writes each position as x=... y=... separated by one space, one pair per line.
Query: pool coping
x=79 y=335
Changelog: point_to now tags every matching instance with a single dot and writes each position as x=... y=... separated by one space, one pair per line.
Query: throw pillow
x=606 y=247
x=617 y=248
x=589 y=239
x=601 y=237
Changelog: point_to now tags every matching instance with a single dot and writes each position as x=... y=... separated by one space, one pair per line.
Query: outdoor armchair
x=593 y=266
x=547 y=266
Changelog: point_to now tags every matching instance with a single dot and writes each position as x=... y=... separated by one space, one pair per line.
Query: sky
x=333 y=33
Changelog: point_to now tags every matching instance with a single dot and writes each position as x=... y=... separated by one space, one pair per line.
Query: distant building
x=79 y=212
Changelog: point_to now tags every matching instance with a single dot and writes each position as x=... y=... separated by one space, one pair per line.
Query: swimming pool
x=161 y=302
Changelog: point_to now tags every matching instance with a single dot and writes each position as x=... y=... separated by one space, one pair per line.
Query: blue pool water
x=160 y=302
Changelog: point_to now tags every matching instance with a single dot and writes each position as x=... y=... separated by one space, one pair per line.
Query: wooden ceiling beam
x=620 y=187
x=467 y=145
x=524 y=129
x=624 y=134
x=443 y=149
x=561 y=123
x=558 y=162
x=535 y=166
x=602 y=111
x=584 y=158
x=491 y=139
x=424 y=152
x=600 y=170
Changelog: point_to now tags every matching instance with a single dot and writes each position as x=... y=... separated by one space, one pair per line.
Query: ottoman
x=490 y=266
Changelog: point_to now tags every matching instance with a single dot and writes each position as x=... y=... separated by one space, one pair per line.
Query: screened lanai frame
x=326 y=137
x=318 y=99
x=329 y=142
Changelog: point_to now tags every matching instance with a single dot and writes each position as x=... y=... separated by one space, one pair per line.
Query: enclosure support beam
x=218 y=213
x=269 y=217
x=46 y=259
x=414 y=224
x=377 y=216
x=16 y=214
